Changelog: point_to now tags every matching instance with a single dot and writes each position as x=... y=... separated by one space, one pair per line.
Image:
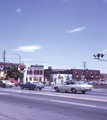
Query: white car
x=8 y=83
x=73 y=87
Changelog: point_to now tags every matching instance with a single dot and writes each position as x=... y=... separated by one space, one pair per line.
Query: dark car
x=28 y=85
x=39 y=85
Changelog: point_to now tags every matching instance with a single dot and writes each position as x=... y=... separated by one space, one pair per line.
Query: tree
x=12 y=72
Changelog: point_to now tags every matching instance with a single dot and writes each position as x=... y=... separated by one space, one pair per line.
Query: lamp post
x=87 y=74
x=18 y=55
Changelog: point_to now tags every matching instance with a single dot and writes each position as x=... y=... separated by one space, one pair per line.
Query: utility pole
x=84 y=65
x=4 y=59
x=100 y=55
x=4 y=56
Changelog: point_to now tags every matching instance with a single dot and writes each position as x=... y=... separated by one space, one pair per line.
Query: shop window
x=40 y=79
x=30 y=79
x=34 y=78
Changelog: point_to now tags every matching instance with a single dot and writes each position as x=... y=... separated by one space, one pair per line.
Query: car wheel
x=22 y=87
x=83 y=92
x=32 y=88
x=16 y=85
x=39 y=88
x=10 y=86
x=57 y=90
x=73 y=90
x=66 y=91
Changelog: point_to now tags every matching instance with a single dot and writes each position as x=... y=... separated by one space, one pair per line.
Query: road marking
x=56 y=95
x=3 y=93
x=73 y=103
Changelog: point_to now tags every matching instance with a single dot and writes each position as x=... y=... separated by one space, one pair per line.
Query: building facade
x=57 y=76
x=73 y=74
x=103 y=77
x=35 y=73
x=88 y=75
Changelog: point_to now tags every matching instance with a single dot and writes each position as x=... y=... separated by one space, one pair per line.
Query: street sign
x=22 y=68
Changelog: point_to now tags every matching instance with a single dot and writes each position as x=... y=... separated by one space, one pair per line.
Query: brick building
x=77 y=74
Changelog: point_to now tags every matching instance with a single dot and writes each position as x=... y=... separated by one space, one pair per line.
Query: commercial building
x=61 y=75
x=35 y=73
x=103 y=77
x=88 y=75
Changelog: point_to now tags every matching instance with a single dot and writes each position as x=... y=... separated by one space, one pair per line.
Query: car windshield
x=75 y=83
x=6 y=81
x=80 y=83
x=36 y=83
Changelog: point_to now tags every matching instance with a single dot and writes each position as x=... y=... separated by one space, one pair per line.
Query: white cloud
x=76 y=29
x=28 y=48
x=19 y=10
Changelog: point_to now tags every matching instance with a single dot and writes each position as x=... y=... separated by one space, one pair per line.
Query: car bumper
x=86 y=90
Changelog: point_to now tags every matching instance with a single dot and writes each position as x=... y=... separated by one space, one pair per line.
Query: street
x=46 y=104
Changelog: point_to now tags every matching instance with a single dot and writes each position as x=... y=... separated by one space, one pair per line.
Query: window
x=41 y=72
x=96 y=74
x=34 y=72
x=91 y=74
x=37 y=71
x=40 y=79
x=34 y=78
x=30 y=72
x=30 y=79
x=76 y=74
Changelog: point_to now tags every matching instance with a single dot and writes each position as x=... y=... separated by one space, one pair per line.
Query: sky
x=59 y=33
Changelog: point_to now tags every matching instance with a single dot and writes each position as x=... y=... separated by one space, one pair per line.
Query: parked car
x=47 y=83
x=73 y=87
x=39 y=85
x=52 y=83
x=2 y=84
x=12 y=80
x=29 y=85
x=8 y=83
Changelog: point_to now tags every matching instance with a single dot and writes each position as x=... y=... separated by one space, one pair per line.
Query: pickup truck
x=2 y=84
x=28 y=85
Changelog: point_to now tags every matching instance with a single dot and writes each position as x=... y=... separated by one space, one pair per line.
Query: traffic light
x=102 y=55
x=94 y=55
x=98 y=55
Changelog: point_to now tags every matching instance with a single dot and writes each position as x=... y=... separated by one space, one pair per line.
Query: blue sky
x=58 y=33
